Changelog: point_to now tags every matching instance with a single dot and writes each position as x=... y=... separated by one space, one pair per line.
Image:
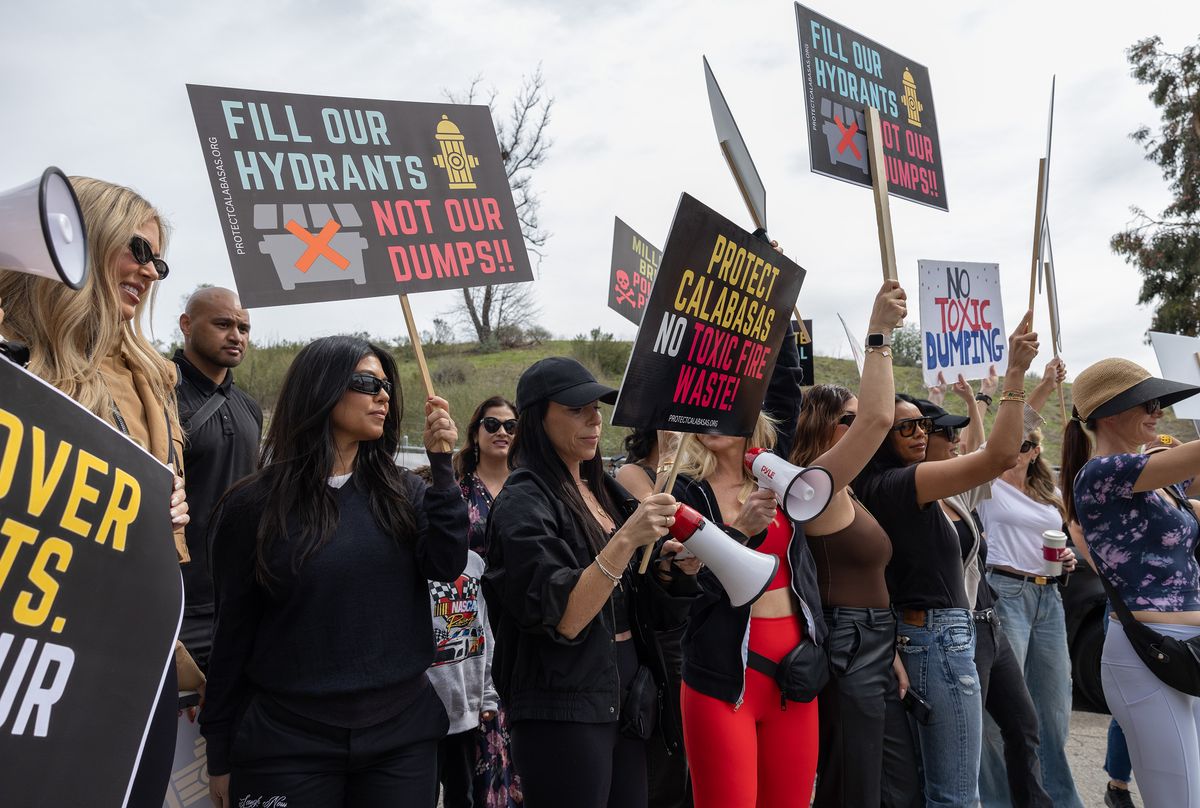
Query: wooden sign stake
x=685 y=443
x=800 y=320
x=1039 y=216
x=879 y=187
x=1062 y=398
x=415 y=338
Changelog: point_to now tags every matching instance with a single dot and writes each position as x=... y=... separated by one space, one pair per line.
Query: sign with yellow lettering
x=634 y=265
x=326 y=198
x=90 y=598
x=712 y=328
x=844 y=73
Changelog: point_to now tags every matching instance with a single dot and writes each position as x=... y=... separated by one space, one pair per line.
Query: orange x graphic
x=318 y=245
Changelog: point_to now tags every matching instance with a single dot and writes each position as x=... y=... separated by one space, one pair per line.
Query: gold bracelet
x=1012 y=395
x=614 y=579
x=883 y=351
x=664 y=467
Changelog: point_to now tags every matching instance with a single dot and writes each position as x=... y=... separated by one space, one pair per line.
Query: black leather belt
x=1040 y=580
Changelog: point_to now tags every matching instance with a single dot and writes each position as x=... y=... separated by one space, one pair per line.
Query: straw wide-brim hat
x=1114 y=385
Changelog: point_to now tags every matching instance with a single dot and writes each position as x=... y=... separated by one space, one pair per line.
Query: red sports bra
x=779 y=535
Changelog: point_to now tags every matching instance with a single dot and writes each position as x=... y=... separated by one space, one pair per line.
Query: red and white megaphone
x=802 y=493
x=744 y=573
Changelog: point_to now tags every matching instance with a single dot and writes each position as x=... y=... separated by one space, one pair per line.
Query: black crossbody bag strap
x=200 y=417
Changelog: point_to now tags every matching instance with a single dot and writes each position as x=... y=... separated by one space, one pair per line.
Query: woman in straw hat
x=1141 y=535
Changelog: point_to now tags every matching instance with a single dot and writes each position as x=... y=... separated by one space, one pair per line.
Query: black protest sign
x=634 y=265
x=804 y=344
x=711 y=331
x=326 y=198
x=844 y=73
x=90 y=598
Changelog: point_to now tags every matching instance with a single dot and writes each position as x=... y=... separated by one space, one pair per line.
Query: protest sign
x=962 y=320
x=737 y=154
x=1179 y=361
x=634 y=265
x=844 y=73
x=804 y=345
x=324 y=198
x=90 y=598
x=1041 y=206
x=189 y=771
x=712 y=329
x=856 y=346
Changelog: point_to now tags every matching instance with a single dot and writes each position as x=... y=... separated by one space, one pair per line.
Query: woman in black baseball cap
x=576 y=659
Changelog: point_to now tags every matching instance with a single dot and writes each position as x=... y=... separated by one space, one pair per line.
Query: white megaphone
x=802 y=493
x=744 y=573
x=41 y=230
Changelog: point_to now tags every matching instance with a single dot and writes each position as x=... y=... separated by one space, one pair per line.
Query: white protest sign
x=1178 y=362
x=962 y=320
x=855 y=346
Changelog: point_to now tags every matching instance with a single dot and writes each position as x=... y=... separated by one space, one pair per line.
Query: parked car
x=1083 y=602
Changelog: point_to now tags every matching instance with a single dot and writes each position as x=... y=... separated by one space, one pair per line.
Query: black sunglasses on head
x=908 y=427
x=1027 y=445
x=492 y=425
x=847 y=419
x=143 y=254
x=369 y=384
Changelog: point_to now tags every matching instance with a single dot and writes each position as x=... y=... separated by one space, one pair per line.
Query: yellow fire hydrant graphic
x=910 y=101
x=454 y=157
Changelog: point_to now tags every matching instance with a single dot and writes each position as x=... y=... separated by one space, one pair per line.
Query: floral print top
x=1143 y=543
x=479 y=505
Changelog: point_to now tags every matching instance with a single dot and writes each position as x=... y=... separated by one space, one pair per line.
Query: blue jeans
x=1031 y=617
x=939 y=657
x=1116 y=757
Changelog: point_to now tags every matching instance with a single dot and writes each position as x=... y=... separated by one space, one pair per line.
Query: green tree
x=906 y=346
x=1166 y=249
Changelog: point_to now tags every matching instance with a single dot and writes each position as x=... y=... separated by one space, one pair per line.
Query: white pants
x=1161 y=724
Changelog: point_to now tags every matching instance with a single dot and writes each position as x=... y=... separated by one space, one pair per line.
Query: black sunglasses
x=908 y=427
x=492 y=425
x=1027 y=445
x=369 y=384
x=950 y=432
x=144 y=255
x=1152 y=406
x=847 y=419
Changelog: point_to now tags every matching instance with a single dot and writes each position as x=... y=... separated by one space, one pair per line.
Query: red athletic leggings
x=758 y=754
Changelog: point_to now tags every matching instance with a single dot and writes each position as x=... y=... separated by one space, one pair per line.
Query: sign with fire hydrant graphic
x=634 y=266
x=844 y=73
x=324 y=198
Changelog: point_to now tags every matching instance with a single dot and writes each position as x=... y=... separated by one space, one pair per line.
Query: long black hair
x=640 y=444
x=299 y=453
x=533 y=450
x=885 y=456
x=466 y=460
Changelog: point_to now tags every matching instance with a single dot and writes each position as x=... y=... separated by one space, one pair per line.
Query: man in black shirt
x=223 y=426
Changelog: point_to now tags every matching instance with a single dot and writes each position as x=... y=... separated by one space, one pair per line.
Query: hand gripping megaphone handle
x=744 y=574
x=684 y=444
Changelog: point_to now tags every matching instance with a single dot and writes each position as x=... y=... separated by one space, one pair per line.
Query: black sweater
x=347 y=640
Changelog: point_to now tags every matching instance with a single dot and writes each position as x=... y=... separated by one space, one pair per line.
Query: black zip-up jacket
x=537 y=552
x=716 y=637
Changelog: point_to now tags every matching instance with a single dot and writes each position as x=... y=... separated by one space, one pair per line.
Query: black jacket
x=537 y=552
x=715 y=641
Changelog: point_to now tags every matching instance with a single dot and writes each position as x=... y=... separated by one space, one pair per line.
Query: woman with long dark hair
x=576 y=662
x=1140 y=533
x=866 y=758
x=317 y=689
x=925 y=576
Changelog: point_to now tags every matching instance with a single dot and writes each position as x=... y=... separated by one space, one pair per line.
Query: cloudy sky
x=98 y=89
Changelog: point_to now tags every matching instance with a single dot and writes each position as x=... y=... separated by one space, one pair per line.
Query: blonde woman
x=90 y=344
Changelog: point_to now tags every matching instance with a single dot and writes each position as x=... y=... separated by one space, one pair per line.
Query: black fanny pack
x=801 y=675
x=639 y=711
x=1174 y=662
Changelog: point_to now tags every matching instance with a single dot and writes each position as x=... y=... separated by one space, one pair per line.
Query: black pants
x=158 y=754
x=308 y=764
x=456 y=769
x=567 y=764
x=1006 y=698
x=866 y=756
x=670 y=786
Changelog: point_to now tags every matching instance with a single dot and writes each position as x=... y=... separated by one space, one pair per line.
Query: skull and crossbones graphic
x=624 y=288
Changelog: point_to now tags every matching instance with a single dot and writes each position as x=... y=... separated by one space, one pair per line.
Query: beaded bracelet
x=615 y=579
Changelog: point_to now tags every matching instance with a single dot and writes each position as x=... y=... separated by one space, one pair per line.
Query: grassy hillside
x=465 y=377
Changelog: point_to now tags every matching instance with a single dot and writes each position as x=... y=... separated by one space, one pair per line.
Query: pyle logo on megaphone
x=802 y=493
x=744 y=573
x=41 y=230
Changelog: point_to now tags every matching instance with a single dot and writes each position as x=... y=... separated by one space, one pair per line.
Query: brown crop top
x=851 y=562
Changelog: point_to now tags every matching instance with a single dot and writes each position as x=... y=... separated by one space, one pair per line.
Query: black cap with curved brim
x=940 y=416
x=563 y=381
x=1167 y=392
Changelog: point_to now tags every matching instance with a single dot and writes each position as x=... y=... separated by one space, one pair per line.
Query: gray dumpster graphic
x=845 y=147
x=300 y=249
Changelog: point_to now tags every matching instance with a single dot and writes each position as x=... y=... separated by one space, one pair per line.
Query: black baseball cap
x=940 y=416
x=562 y=380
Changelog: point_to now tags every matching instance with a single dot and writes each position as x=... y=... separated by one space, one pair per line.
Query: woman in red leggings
x=746 y=745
